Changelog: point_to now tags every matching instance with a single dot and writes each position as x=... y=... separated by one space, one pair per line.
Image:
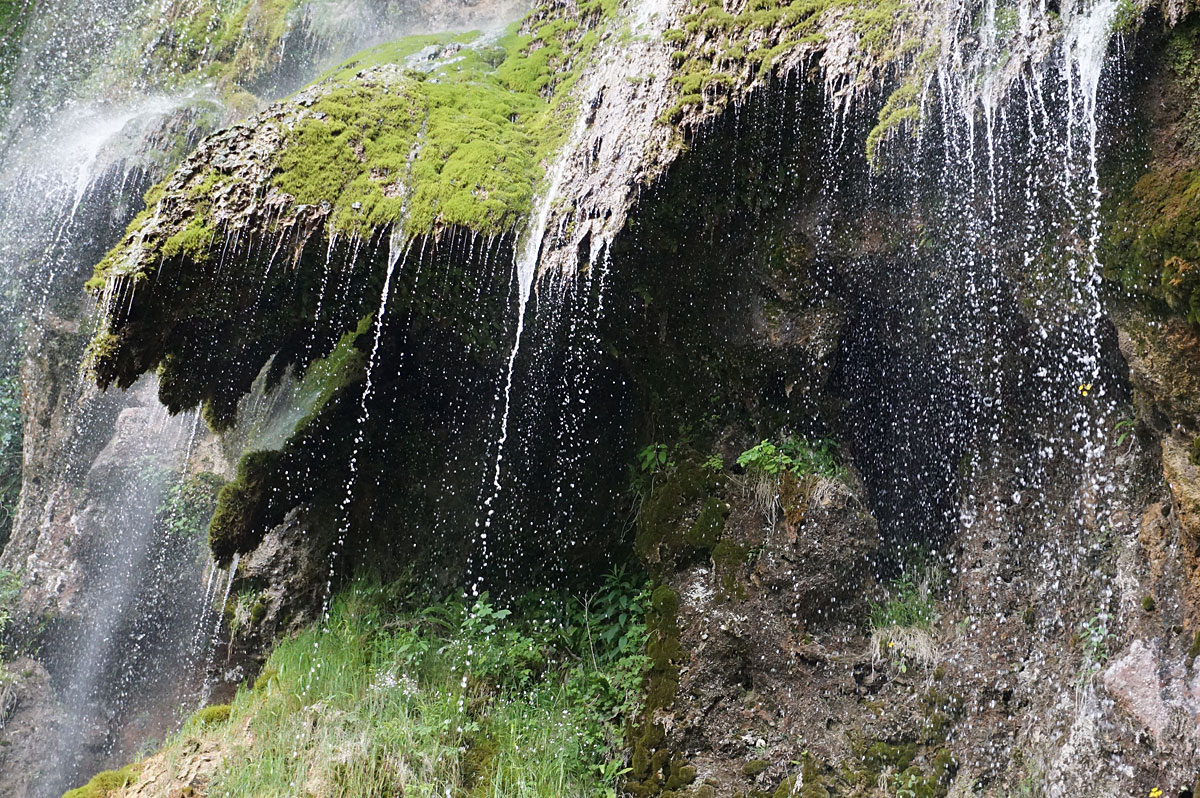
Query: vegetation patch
x=720 y=52
x=1152 y=241
x=106 y=783
x=400 y=696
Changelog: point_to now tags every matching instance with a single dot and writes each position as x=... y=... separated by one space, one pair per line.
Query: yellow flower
x=1156 y=793
x=1085 y=388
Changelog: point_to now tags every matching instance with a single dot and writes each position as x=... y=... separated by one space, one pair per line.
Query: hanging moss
x=240 y=504
x=1152 y=241
x=721 y=53
x=443 y=146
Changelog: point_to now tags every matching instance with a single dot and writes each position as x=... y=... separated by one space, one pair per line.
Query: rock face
x=978 y=574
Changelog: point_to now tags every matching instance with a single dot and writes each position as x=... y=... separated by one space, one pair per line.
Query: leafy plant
x=714 y=463
x=1094 y=638
x=653 y=458
x=189 y=504
x=799 y=456
x=909 y=603
x=1124 y=428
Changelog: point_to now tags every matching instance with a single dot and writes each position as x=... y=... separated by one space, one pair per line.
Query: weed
x=1094 y=637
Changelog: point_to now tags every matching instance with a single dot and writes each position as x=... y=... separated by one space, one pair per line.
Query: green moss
x=106 y=783
x=1152 y=240
x=211 y=715
x=901 y=109
x=679 y=774
x=662 y=531
x=1148 y=603
x=265 y=678
x=880 y=756
x=462 y=145
x=814 y=780
x=239 y=503
x=719 y=50
x=709 y=524
x=942 y=710
x=754 y=767
x=228 y=44
x=652 y=766
x=729 y=566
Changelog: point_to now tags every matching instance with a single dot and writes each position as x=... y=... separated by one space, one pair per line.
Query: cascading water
x=467 y=404
x=84 y=139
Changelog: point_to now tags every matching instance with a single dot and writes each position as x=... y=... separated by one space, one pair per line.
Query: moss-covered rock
x=1152 y=241
x=106 y=783
x=416 y=141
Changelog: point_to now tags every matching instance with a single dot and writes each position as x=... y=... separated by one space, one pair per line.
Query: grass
x=459 y=699
x=902 y=625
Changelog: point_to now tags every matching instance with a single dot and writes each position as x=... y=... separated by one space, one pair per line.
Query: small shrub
x=800 y=457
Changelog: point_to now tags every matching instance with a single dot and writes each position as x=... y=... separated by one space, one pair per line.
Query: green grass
x=909 y=604
x=451 y=699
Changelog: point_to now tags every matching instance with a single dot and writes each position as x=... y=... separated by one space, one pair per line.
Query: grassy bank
x=451 y=698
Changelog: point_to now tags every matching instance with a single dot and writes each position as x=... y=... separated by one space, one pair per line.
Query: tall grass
x=451 y=700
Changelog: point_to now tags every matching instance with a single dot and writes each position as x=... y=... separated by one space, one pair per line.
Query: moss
x=945 y=766
x=105 y=783
x=662 y=531
x=229 y=44
x=679 y=774
x=729 y=562
x=211 y=715
x=239 y=503
x=709 y=524
x=456 y=147
x=652 y=766
x=1151 y=243
x=265 y=678
x=721 y=52
x=815 y=783
x=754 y=767
x=942 y=710
x=1194 y=651
x=463 y=145
x=1148 y=603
